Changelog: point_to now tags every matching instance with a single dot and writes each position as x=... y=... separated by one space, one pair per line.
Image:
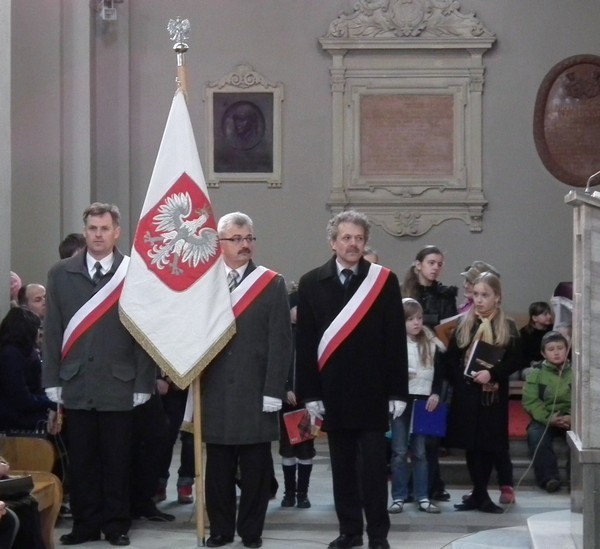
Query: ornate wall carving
x=406 y=81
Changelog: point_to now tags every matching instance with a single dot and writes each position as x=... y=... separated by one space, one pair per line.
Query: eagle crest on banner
x=177 y=238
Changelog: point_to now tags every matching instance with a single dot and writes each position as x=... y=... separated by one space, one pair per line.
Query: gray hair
x=238 y=219
x=348 y=216
x=101 y=208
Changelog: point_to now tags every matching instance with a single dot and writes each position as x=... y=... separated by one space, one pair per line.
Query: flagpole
x=179 y=31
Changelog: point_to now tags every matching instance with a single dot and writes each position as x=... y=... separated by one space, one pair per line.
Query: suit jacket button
x=91 y=359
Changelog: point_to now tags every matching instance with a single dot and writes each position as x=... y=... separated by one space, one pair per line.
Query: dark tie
x=98 y=273
x=232 y=279
x=348 y=276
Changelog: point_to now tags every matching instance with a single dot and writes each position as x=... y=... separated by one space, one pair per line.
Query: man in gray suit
x=94 y=366
x=242 y=389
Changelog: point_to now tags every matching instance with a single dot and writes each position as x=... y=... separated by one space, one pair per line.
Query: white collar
x=240 y=270
x=106 y=263
x=340 y=268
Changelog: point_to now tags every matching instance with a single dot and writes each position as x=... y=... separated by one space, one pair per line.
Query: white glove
x=397 y=408
x=140 y=398
x=54 y=394
x=271 y=404
x=316 y=409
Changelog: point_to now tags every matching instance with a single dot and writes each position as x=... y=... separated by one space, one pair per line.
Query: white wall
x=526 y=228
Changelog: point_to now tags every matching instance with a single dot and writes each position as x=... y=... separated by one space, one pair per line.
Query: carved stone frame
x=400 y=49
x=245 y=83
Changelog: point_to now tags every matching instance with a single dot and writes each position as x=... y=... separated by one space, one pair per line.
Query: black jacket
x=438 y=302
x=369 y=368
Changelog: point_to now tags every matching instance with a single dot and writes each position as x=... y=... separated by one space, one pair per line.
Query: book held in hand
x=447 y=327
x=424 y=422
x=482 y=355
x=298 y=426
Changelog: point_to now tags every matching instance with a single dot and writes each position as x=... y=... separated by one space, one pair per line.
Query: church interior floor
x=293 y=528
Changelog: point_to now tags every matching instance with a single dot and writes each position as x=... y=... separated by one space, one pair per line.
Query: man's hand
x=140 y=398
x=291 y=398
x=271 y=404
x=397 y=408
x=316 y=409
x=54 y=394
x=162 y=386
x=54 y=425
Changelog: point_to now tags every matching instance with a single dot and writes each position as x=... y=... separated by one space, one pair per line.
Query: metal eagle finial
x=179 y=30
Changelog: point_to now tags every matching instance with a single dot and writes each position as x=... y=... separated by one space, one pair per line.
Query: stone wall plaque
x=408 y=135
x=407 y=79
x=566 y=125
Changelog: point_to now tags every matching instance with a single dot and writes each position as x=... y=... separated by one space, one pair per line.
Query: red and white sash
x=250 y=288
x=94 y=308
x=353 y=312
x=241 y=296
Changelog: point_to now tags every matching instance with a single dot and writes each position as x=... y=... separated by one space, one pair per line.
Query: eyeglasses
x=238 y=239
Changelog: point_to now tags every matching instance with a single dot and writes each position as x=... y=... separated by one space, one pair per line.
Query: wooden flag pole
x=179 y=31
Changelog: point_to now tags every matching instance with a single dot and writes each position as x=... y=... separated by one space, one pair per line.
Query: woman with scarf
x=478 y=417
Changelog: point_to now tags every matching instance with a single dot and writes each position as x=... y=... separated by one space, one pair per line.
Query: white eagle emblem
x=180 y=239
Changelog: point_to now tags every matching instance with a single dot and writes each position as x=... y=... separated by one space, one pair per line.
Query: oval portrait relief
x=566 y=125
x=243 y=125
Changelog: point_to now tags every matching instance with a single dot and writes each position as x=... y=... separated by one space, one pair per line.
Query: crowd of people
x=350 y=344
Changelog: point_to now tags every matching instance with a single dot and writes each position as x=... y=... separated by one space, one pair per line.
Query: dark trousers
x=434 y=479
x=480 y=466
x=359 y=470
x=504 y=468
x=174 y=406
x=100 y=460
x=256 y=466
x=150 y=434
x=545 y=464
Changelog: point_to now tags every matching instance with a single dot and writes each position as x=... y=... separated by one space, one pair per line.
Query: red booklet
x=298 y=426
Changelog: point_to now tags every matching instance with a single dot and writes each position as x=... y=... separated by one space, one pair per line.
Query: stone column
x=5 y=152
x=584 y=439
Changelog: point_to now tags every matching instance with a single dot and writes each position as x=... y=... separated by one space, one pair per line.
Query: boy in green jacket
x=547 y=399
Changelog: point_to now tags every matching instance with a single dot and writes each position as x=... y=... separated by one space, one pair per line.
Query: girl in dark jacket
x=421 y=283
x=478 y=418
x=438 y=302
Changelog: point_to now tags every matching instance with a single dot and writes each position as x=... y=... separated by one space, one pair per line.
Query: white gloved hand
x=54 y=394
x=397 y=408
x=316 y=409
x=271 y=404
x=140 y=398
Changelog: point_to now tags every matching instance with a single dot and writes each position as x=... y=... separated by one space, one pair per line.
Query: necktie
x=348 y=274
x=98 y=273
x=232 y=279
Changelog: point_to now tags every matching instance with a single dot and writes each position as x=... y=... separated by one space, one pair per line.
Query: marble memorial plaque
x=407 y=135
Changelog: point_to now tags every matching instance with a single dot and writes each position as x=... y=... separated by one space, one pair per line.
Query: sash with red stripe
x=242 y=296
x=250 y=288
x=94 y=308
x=353 y=312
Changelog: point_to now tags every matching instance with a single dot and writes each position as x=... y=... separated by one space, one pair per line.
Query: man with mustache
x=243 y=388
x=352 y=370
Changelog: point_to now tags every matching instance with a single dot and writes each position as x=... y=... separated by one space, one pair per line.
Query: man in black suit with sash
x=352 y=369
